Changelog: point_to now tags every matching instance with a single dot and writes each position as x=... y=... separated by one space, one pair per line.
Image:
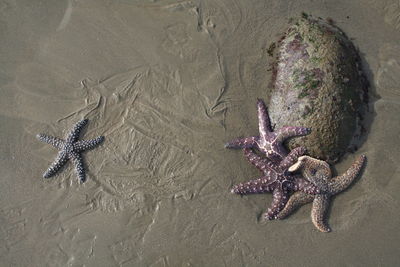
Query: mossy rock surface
x=318 y=84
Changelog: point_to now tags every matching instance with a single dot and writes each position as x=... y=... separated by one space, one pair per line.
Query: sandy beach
x=168 y=83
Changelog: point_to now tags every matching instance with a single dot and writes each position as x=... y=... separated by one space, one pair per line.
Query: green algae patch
x=318 y=84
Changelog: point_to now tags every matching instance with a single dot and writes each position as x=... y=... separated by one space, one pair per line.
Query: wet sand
x=168 y=83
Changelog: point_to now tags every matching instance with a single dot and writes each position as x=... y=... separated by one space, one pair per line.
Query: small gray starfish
x=70 y=148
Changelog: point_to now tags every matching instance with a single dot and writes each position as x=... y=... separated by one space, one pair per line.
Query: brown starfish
x=319 y=173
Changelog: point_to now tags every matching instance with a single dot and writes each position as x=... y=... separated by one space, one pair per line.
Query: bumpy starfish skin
x=319 y=173
x=276 y=179
x=269 y=142
x=70 y=148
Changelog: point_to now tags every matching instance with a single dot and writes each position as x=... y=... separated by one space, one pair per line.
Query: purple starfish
x=269 y=142
x=276 y=179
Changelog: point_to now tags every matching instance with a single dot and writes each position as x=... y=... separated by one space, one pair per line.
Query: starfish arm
x=292 y=157
x=291 y=131
x=76 y=130
x=246 y=142
x=340 y=183
x=260 y=185
x=316 y=171
x=262 y=164
x=78 y=162
x=54 y=141
x=279 y=200
x=295 y=201
x=61 y=159
x=87 y=144
x=264 y=123
x=300 y=184
x=318 y=212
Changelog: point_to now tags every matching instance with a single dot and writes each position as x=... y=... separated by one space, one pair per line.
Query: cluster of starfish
x=293 y=178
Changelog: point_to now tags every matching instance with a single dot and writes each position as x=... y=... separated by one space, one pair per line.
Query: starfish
x=269 y=142
x=276 y=179
x=319 y=173
x=70 y=148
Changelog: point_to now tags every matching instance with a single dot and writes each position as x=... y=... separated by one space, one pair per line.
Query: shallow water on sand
x=168 y=83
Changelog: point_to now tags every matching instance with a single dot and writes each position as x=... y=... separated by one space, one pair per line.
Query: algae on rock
x=318 y=84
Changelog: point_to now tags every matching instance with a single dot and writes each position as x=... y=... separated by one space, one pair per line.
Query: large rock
x=318 y=84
